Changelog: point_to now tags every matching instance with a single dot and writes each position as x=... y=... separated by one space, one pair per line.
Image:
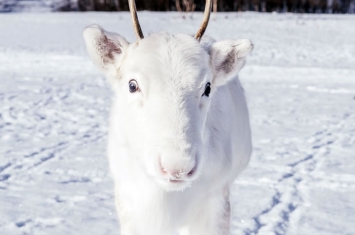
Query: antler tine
x=206 y=17
x=136 y=25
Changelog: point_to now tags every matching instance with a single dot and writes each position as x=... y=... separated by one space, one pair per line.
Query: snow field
x=54 y=104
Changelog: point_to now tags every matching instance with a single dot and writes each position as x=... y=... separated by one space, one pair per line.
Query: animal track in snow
x=288 y=201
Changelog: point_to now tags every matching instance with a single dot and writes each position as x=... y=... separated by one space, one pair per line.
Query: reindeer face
x=164 y=86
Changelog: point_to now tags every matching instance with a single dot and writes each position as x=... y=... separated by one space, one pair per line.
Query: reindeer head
x=164 y=85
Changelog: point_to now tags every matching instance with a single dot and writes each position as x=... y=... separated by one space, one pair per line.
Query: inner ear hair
x=106 y=48
x=233 y=55
x=228 y=63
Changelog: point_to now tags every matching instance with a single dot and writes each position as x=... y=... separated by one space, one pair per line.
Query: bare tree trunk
x=178 y=7
x=263 y=5
x=117 y=3
x=215 y=6
x=214 y=9
x=92 y=5
x=167 y=5
x=246 y=5
x=187 y=6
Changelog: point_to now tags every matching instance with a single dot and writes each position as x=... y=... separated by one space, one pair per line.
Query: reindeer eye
x=133 y=86
x=207 y=90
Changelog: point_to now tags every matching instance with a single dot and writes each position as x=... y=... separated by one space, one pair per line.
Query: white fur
x=159 y=134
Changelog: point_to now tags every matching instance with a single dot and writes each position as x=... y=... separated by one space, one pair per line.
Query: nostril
x=162 y=169
x=193 y=171
x=177 y=170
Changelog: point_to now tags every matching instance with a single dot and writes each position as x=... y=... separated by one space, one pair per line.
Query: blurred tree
x=297 y=6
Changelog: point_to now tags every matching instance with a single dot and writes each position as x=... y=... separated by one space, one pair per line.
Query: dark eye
x=207 y=90
x=133 y=86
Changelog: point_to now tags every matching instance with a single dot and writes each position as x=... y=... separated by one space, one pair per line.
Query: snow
x=54 y=104
x=37 y=5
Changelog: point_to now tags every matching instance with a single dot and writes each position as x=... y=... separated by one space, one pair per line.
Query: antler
x=136 y=25
x=199 y=34
x=206 y=17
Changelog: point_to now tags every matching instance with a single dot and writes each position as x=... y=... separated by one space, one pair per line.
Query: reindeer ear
x=228 y=58
x=105 y=48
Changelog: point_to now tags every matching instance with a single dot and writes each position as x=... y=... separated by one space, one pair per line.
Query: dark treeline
x=296 y=6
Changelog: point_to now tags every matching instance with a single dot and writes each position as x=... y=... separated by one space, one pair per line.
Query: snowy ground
x=300 y=84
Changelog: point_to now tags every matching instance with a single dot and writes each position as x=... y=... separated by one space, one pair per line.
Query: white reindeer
x=179 y=128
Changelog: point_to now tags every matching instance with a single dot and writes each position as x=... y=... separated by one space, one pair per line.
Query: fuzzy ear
x=228 y=58
x=105 y=48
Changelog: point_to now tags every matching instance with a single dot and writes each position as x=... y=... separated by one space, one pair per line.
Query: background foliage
x=300 y=6
x=297 y=6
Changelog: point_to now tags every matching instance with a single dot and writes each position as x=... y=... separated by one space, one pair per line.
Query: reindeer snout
x=181 y=171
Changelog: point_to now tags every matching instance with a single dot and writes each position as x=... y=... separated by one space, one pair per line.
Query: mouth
x=176 y=181
x=174 y=184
